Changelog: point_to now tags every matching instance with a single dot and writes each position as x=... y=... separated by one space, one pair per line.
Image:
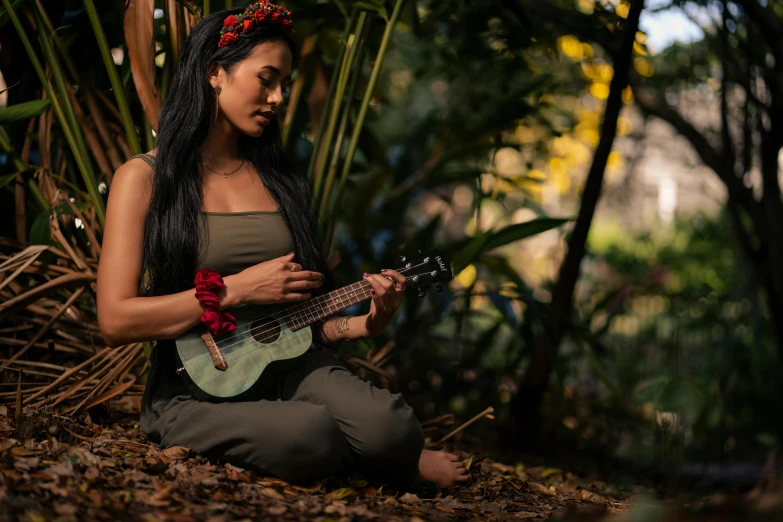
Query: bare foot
x=444 y=469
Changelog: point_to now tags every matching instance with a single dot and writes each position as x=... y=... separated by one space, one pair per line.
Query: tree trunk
x=525 y=419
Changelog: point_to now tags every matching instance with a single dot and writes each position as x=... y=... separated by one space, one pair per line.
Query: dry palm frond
x=48 y=323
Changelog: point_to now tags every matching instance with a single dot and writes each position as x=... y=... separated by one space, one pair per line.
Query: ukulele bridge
x=214 y=350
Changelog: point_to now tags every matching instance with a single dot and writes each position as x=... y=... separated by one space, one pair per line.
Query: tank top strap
x=148 y=158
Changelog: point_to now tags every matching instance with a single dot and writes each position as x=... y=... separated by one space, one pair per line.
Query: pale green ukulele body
x=260 y=339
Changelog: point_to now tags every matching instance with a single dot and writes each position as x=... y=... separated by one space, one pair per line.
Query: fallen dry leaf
x=272 y=493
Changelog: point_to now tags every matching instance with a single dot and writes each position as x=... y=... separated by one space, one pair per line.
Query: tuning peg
x=422 y=293
x=438 y=287
x=403 y=259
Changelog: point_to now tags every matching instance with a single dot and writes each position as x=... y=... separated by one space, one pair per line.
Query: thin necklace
x=226 y=174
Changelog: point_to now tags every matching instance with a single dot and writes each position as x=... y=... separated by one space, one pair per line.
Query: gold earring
x=217 y=101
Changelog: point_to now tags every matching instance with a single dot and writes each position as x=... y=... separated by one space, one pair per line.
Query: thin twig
x=471 y=421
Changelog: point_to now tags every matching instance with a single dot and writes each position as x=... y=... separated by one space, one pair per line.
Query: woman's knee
x=314 y=446
x=392 y=433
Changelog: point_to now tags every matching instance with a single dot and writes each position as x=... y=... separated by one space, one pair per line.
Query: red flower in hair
x=228 y=38
x=256 y=13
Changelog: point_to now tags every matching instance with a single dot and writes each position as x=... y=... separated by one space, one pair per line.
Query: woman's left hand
x=387 y=298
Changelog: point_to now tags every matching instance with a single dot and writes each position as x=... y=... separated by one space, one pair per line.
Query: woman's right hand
x=273 y=282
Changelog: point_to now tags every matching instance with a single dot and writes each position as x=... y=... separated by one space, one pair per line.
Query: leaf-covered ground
x=56 y=469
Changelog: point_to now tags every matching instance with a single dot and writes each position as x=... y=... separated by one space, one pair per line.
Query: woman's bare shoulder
x=133 y=181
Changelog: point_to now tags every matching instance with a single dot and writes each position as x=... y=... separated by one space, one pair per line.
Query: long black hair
x=171 y=246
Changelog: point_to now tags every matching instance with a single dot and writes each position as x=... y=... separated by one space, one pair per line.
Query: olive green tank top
x=229 y=242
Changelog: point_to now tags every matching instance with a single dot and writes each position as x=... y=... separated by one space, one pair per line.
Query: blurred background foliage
x=469 y=127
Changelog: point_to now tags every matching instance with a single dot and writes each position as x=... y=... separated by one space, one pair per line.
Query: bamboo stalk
x=319 y=144
x=341 y=133
x=298 y=88
x=114 y=78
x=376 y=71
x=79 y=147
x=347 y=65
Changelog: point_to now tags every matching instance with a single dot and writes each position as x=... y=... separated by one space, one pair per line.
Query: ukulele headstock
x=429 y=268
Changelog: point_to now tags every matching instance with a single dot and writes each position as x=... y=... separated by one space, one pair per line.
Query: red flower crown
x=256 y=13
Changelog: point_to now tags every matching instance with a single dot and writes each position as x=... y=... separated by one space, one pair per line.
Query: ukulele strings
x=305 y=309
x=289 y=315
x=274 y=322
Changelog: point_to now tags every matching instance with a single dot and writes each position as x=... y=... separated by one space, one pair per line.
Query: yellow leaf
x=551 y=471
x=643 y=66
x=587 y=50
x=467 y=277
x=571 y=47
x=586 y=6
x=599 y=90
x=605 y=72
x=627 y=95
x=339 y=494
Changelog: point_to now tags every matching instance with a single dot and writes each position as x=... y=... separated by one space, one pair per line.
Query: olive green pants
x=312 y=420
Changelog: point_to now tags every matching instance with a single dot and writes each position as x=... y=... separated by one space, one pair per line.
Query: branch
x=708 y=154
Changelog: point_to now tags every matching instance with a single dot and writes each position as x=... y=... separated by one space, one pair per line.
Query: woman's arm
x=326 y=330
x=123 y=316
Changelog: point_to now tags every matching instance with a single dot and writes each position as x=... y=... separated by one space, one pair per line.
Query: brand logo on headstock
x=441 y=263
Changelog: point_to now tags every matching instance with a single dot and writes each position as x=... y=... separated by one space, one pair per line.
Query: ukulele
x=227 y=366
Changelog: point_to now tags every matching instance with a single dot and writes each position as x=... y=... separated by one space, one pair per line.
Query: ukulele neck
x=322 y=306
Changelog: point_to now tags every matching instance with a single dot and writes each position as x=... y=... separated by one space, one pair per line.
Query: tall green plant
x=376 y=70
x=67 y=120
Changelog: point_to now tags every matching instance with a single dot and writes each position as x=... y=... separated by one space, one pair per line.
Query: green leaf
x=519 y=231
x=23 y=111
x=465 y=255
x=39 y=232
x=5 y=180
x=467 y=250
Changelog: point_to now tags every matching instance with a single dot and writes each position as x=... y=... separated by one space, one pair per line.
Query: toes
x=452 y=457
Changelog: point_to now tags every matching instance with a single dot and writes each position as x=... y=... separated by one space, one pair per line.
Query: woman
x=218 y=193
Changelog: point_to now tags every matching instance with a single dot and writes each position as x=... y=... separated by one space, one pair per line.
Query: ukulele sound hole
x=265 y=330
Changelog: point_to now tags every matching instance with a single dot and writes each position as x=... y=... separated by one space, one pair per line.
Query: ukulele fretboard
x=319 y=307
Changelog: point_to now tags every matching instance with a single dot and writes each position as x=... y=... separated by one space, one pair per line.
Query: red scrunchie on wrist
x=207 y=283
